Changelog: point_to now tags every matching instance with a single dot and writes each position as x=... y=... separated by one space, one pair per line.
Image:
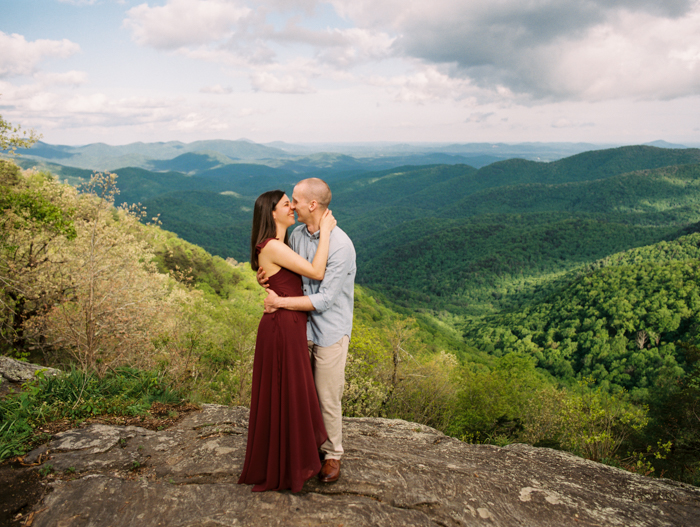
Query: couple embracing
x=302 y=342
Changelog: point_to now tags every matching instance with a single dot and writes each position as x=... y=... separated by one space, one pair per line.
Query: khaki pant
x=328 y=365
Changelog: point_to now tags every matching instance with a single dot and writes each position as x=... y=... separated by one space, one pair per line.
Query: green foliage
x=491 y=399
x=491 y=263
x=643 y=462
x=76 y=395
x=217 y=345
x=388 y=374
x=511 y=243
x=593 y=423
x=424 y=187
x=435 y=332
x=617 y=323
x=366 y=372
x=219 y=223
x=10 y=138
x=513 y=401
x=209 y=273
x=36 y=218
x=674 y=415
x=110 y=302
x=426 y=391
x=10 y=174
x=23 y=203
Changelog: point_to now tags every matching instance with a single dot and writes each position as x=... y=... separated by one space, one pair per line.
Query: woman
x=285 y=427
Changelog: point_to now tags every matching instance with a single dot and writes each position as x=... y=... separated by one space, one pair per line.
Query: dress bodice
x=284 y=282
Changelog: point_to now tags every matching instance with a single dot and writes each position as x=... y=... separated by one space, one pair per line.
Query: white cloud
x=181 y=23
x=307 y=6
x=68 y=78
x=251 y=56
x=20 y=57
x=427 y=83
x=268 y=82
x=356 y=46
x=510 y=49
x=52 y=109
x=197 y=121
x=232 y=34
x=635 y=55
x=549 y=49
x=460 y=68
x=341 y=48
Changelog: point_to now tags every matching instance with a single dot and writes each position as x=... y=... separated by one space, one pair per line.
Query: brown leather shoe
x=330 y=471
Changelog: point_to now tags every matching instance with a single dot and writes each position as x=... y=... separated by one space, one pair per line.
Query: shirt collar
x=313 y=236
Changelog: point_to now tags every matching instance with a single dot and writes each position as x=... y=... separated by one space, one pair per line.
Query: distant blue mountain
x=200 y=156
x=665 y=144
x=100 y=156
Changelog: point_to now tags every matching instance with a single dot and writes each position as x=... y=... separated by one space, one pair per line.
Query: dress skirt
x=286 y=426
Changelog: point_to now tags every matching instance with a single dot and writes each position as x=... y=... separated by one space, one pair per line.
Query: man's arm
x=262 y=279
x=340 y=263
x=273 y=302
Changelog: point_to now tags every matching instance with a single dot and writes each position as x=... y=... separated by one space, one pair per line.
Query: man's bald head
x=315 y=189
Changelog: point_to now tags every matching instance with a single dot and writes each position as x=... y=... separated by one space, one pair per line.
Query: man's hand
x=270 y=300
x=262 y=280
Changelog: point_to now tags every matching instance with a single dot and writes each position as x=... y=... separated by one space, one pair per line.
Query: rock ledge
x=394 y=473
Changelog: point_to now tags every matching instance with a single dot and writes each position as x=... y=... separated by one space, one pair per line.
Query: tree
x=595 y=423
x=36 y=215
x=400 y=333
x=115 y=302
x=10 y=139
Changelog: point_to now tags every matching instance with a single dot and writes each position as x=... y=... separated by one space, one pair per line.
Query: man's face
x=300 y=204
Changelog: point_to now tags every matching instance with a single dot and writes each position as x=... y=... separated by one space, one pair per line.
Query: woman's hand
x=328 y=222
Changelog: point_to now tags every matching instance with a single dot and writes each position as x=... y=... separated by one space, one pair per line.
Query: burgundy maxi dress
x=286 y=427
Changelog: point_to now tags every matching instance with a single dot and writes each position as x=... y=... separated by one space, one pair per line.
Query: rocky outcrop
x=393 y=473
x=19 y=371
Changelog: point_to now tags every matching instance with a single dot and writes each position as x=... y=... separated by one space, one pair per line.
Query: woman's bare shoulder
x=274 y=242
x=274 y=246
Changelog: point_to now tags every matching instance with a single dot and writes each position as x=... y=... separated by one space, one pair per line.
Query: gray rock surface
x=394 y=473
x=19 y=371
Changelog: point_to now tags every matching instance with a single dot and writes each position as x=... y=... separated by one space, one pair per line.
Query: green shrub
x=76 y=395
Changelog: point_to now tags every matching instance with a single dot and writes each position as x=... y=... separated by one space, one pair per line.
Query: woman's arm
x=282 y=255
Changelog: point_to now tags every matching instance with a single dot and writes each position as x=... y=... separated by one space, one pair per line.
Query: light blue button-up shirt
x=332 y=297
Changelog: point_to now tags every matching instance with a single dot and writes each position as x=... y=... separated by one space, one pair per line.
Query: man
x=330 y=305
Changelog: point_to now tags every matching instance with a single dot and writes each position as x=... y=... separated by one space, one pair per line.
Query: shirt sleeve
x=340 y=264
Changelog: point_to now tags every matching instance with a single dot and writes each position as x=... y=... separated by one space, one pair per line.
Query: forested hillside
x=619 y=321
x=220 y=222
x=491 y=249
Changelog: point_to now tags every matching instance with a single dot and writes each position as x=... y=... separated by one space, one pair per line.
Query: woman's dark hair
x=263 y=223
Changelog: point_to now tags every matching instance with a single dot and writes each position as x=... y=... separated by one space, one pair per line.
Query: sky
x=306 y=71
